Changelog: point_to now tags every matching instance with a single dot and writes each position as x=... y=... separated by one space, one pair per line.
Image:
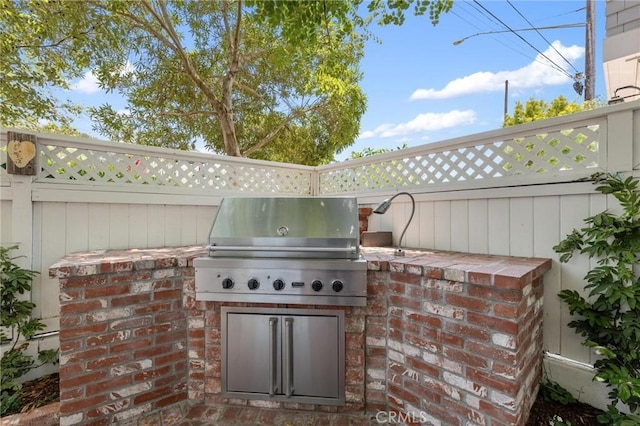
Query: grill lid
x=286 y=227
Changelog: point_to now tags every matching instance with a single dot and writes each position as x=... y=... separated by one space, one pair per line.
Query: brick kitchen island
x=446 y=337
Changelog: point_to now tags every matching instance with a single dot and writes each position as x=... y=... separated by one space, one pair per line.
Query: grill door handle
x=273 y=356
x=288 y=357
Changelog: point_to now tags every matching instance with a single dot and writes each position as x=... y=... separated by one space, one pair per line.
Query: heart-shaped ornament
x=21 y=152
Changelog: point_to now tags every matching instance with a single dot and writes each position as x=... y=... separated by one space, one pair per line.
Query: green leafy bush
x=553 y=391
x=609 y=318
x=15 y=315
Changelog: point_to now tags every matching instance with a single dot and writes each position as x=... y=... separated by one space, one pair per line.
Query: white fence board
x=442 y=223
x=138 y=232
x=156 y=225
x=425 y=215
x=53 y=240
x=498 y=226
x=189 y=227
x=460 y=231
x=98 y=226
x=118 y=226
x=573 y=209
x=478 y=226
x=597 y=204
x=521 y=227
x=6 y=220
x=546 y=225
x=77 y=218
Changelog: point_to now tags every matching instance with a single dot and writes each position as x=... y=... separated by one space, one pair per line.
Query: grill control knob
x=316 y=285
x=278 y=285
x=253 y=284
x=227 y=283
x=337 y=286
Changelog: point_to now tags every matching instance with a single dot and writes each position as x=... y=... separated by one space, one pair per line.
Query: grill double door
x=284 y=355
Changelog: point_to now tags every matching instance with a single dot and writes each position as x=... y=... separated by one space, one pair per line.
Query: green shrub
x=609 y=318
x=553 y=391
x=15 y=315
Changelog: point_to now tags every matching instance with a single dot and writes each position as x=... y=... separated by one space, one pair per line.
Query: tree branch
x=165 y=23
x=139 y=23
x=54 y=44
x=248 y=90
x=185 y=114
x=273 y=133
x=236 y=39
x=176 y=47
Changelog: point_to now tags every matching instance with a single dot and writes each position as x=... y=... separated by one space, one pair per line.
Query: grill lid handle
x=351 y=249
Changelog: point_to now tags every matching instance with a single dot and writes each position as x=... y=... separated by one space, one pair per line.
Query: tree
x=36 y=54
x=265 y=79
x=368 y=151
x=537 y=109
x=62 y=125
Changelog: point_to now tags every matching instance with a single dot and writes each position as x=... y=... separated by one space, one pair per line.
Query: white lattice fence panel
x=557 y=151
x=62 y=163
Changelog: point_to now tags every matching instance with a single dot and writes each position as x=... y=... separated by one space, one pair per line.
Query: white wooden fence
x=514 y=191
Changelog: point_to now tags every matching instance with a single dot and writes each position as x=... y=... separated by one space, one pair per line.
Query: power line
x=483 y=14
x=503 y=42
x=543 y=37
x=466 y=20
x=556 y=66
x=467 y=9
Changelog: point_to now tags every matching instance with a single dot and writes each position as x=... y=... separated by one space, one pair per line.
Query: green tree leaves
x=270 y=79
x=537 y=109
x=43 y=44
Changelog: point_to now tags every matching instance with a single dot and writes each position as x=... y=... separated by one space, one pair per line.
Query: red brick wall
x=123 y=335
x=448 y=338
x=363 y=218
x=464 y=336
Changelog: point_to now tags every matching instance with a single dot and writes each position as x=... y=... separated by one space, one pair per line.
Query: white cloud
x=127 y=69
x=537 y=74
x=88 y=84
x=421 y=123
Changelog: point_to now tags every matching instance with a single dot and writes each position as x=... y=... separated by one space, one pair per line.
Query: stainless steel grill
x=284 y=250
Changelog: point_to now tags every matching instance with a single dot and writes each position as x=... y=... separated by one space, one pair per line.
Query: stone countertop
x=108 y=261
x=498 y=271
x=485 y=269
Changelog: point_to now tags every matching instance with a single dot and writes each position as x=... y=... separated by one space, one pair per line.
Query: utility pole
x=589 y=62
x=506 y=98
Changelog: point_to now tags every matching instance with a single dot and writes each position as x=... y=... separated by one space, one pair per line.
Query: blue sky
x=422 y=88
